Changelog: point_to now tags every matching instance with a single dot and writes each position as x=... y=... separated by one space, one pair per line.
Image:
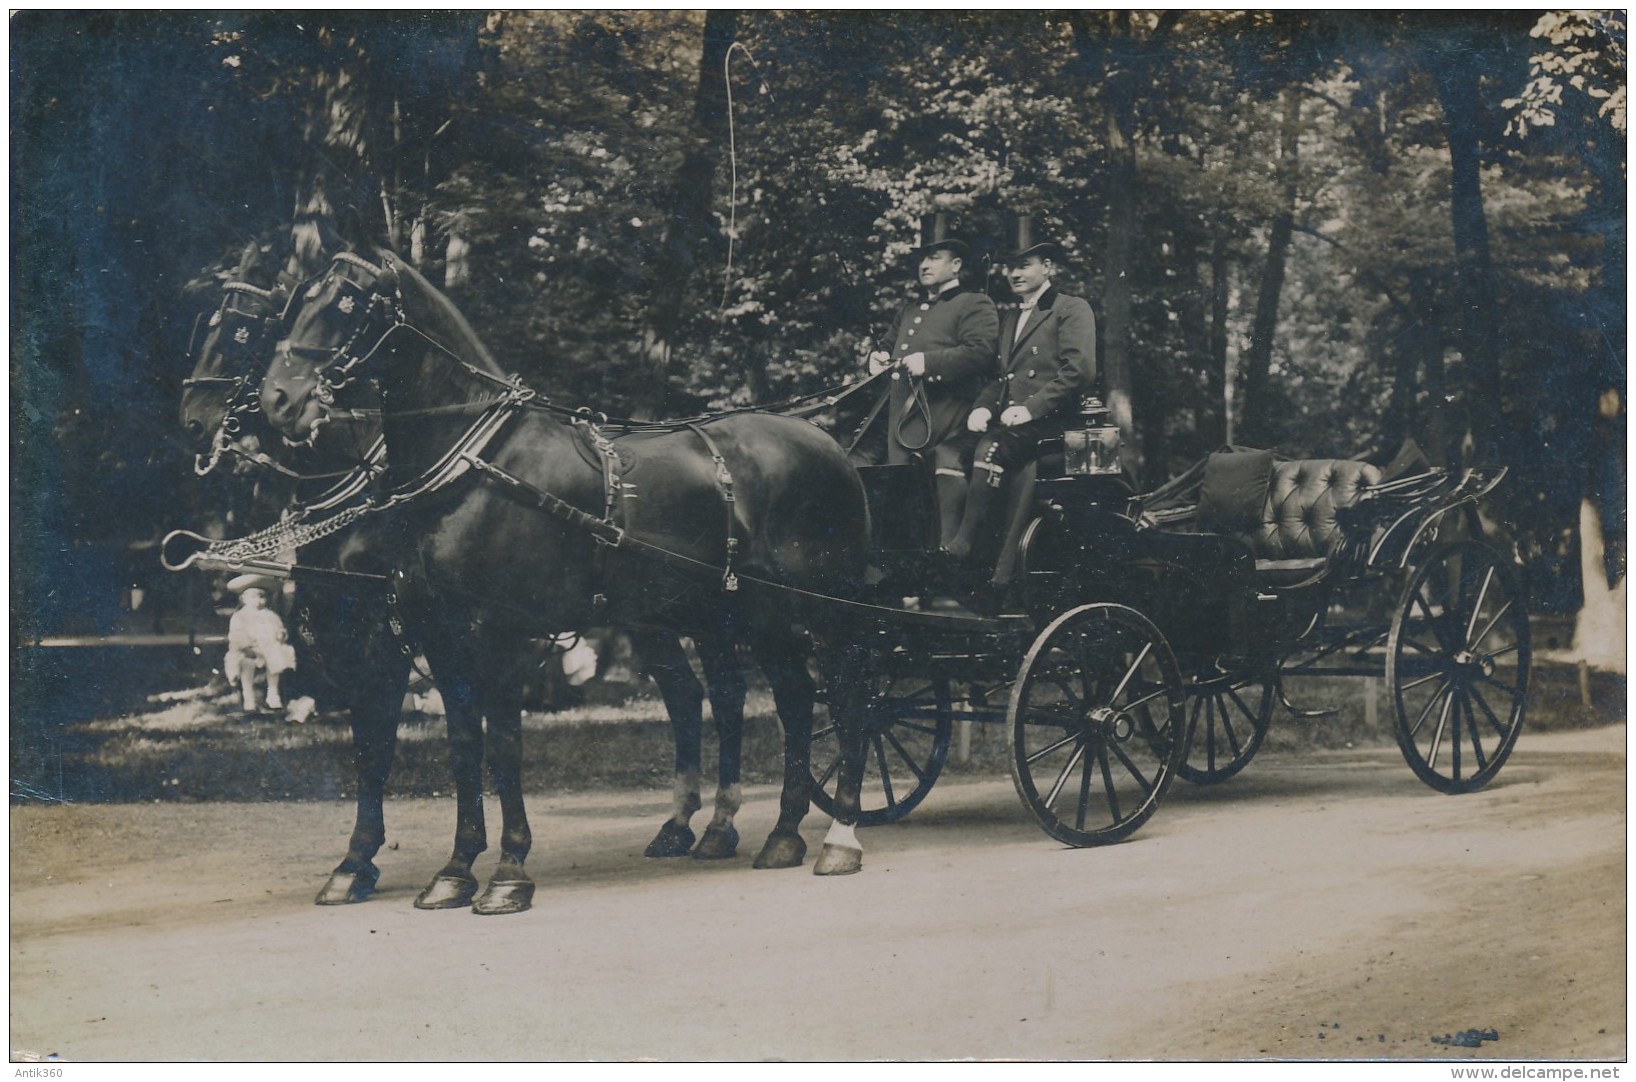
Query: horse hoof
x=782 y=851
x=447 y=892
x=837 y=860
x=673 y=840
x=505 y=896
x=348 y=888
x=718 y=843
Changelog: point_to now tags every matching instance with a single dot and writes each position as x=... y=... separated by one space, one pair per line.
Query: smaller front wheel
x=909 y=720
x=1096 y=718
x=1227 y=717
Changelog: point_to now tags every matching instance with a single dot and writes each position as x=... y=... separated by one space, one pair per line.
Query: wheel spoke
x=1433 y=675
x=879 y=746
x=1067 y=768
x=1061 y=715
x=1476 y=739
x=824 y=779
x=1049 y=748
x=1505 y=608
x=1493 y=719
x=1141 y=779
x=1477 y=606
x=1425 y=711
x=1107 y=782
x=1131 y=671
x=1437 y=734
x=1136 y=704
x=904 y=754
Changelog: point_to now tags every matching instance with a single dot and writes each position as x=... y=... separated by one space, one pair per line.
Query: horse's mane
x=442 y=319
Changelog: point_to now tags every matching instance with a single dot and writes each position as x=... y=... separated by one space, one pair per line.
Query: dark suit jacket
x=957 y=331
x=1051 y=365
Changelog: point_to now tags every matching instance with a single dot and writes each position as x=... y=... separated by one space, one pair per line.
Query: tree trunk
x=1455 y=70
x=1256 y=427
x=1220 y=432
x=689 y=223
x=1117 y=380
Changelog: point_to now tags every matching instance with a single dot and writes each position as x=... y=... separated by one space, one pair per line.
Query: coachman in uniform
x=942 y=353
x=1047 y=357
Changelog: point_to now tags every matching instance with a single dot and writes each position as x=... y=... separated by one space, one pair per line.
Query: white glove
x=1016 y=415
x=915 y=363
x=879 y=361
x=978 y=421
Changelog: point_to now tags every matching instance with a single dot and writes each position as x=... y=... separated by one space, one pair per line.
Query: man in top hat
x=942 y=352
x=1047 y=360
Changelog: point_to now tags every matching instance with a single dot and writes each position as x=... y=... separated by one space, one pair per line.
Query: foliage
x=1587 y=54
x=526 y=160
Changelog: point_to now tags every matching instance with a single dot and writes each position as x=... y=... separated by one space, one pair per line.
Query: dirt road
x=1315 y=907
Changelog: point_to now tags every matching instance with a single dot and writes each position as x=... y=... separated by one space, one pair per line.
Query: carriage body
x=1205 y=598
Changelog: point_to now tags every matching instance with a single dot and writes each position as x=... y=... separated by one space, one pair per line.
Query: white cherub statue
x=256 y=641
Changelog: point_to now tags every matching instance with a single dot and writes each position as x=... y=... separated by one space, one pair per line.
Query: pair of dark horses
x=499 y=520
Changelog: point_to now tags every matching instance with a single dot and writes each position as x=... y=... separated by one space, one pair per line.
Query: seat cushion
x=1233 y=494
x=1299 y=521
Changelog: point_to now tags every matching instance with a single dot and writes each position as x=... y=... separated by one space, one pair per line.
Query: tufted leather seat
x=1299 y=528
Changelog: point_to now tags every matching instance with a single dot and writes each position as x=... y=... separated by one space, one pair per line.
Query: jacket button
x=1030 y=373
x=923 y=308
x=1011 y=375
x=917 y=319
x=911 y=330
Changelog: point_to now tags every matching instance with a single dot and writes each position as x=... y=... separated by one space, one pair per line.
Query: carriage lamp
x=1092 y=449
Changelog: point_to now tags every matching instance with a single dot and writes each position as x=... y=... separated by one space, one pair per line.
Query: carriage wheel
x=909 y=722
x=1096 y=717
x=1227 y=718
x=1457 y=662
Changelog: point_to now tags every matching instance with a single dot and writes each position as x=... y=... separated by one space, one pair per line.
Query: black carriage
x=1157 y=632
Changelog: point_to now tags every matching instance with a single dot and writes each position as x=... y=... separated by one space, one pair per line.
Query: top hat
x=937 y=231
x=1024 y=238
x=265 y=583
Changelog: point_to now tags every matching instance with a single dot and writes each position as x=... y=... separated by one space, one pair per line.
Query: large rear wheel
x=1096 y=717
x=1457 y=661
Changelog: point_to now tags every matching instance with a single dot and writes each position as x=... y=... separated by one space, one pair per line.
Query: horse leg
x=510 y=890
x=376 y=709
x=664 y=659
x=724 y=681
x=846 y=677
x=454 y=886
x=782 y=655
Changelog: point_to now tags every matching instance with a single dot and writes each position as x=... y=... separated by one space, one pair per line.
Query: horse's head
x=342 y=320
x=239 y=336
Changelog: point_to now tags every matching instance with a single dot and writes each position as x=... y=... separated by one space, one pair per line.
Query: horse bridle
x=338 y=369
x=249 y=318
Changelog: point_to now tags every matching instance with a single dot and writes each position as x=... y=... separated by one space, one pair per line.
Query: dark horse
x=345 y=630
x=348 y=635
x=502 y=519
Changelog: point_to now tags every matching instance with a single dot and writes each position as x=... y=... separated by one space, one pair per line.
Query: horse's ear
x=249 y=260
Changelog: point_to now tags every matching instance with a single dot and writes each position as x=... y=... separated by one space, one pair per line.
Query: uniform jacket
x=1051 y=365
x=958 y=331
